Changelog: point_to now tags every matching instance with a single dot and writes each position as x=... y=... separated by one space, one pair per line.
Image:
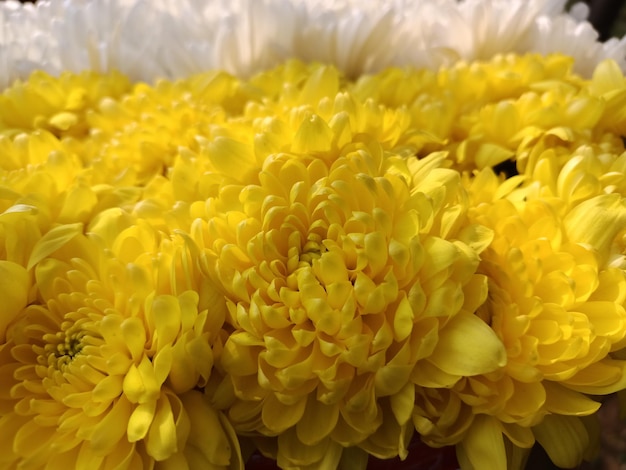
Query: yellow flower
x=41 y=172
x=43 y=185
x=486 y=112
x=56 y=104
x=510 y=108
x=105 y=369
x=558 y=307
x=349 y=273
x=295 y=108
x=609 y=84
x=138 y=135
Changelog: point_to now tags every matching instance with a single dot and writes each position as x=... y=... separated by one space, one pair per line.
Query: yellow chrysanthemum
x=349 y=274
x=105 y=369
x=505 y=109
x=140 y=134
x=558 y=307
x=483 y=113
x=43 y=185
x=292 y=108
x=39 y=170
x=56 y=104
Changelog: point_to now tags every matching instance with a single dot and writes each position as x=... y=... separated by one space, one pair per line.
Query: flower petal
x=317 y=422
x=52 y=241
x=467 y=346
x=564 y=439
x=108 y=432
x=162 y=440
x=13 y=292
x=483 y=445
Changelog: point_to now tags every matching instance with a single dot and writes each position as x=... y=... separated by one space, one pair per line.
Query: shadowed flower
x=102 y=371
x=558 y=307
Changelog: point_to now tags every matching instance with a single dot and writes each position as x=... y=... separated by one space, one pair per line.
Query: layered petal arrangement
x=392 y=221
x=105 y=367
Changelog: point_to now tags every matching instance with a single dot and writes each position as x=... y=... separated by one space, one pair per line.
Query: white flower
x=22 y=46
x=77 y=35
x=572 y=35
x=147 y=39
x=441 y=32
x=239 y=36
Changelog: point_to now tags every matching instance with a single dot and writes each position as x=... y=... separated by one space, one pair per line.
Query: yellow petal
x=279 y=417
x=78 y=205
x=140 y=421
x=403 y=319
x=596 y=222
x=607 y=77
x=467 y=346
x=313 y=136
x=477 y=237
x=238 y=457
x=517 y=456
x=231 y=157
x=88 y=458
x=489 y=155
x=520 y=436
x=317 y=422
x=322 y=82
x=191 y=360
x=140 y=383
x=205 y=422
x=13 y=292
x=134 y=334
x=353 y=458
x=601 y=378
x=427 y=374
x=162 y=441
x=108 y=388
x=564 y=439
x=402 y=403
x=561 y=400
x=111 y=428
x=63 y=120
x=294 y=454
x=30 y=436
x=483 y=445
x=166 y=316
x=162 y=363
x=52 y=241
x=182 y=461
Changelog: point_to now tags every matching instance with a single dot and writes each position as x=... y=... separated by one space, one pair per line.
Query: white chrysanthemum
x=19 y=53
x=239 y=36
x=444 y=31
x=146 y=39
x=573 y=36
x=78 y=35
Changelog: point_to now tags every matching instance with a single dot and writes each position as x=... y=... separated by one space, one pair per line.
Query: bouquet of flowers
x=314 y=230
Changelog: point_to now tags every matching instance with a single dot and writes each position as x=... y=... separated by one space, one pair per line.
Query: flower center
x=311 y=250
x=64 y=346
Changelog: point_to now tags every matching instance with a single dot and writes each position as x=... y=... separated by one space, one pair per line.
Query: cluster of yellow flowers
x=311 y=266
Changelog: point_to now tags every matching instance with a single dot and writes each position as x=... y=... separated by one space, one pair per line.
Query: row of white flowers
x=146 y=39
